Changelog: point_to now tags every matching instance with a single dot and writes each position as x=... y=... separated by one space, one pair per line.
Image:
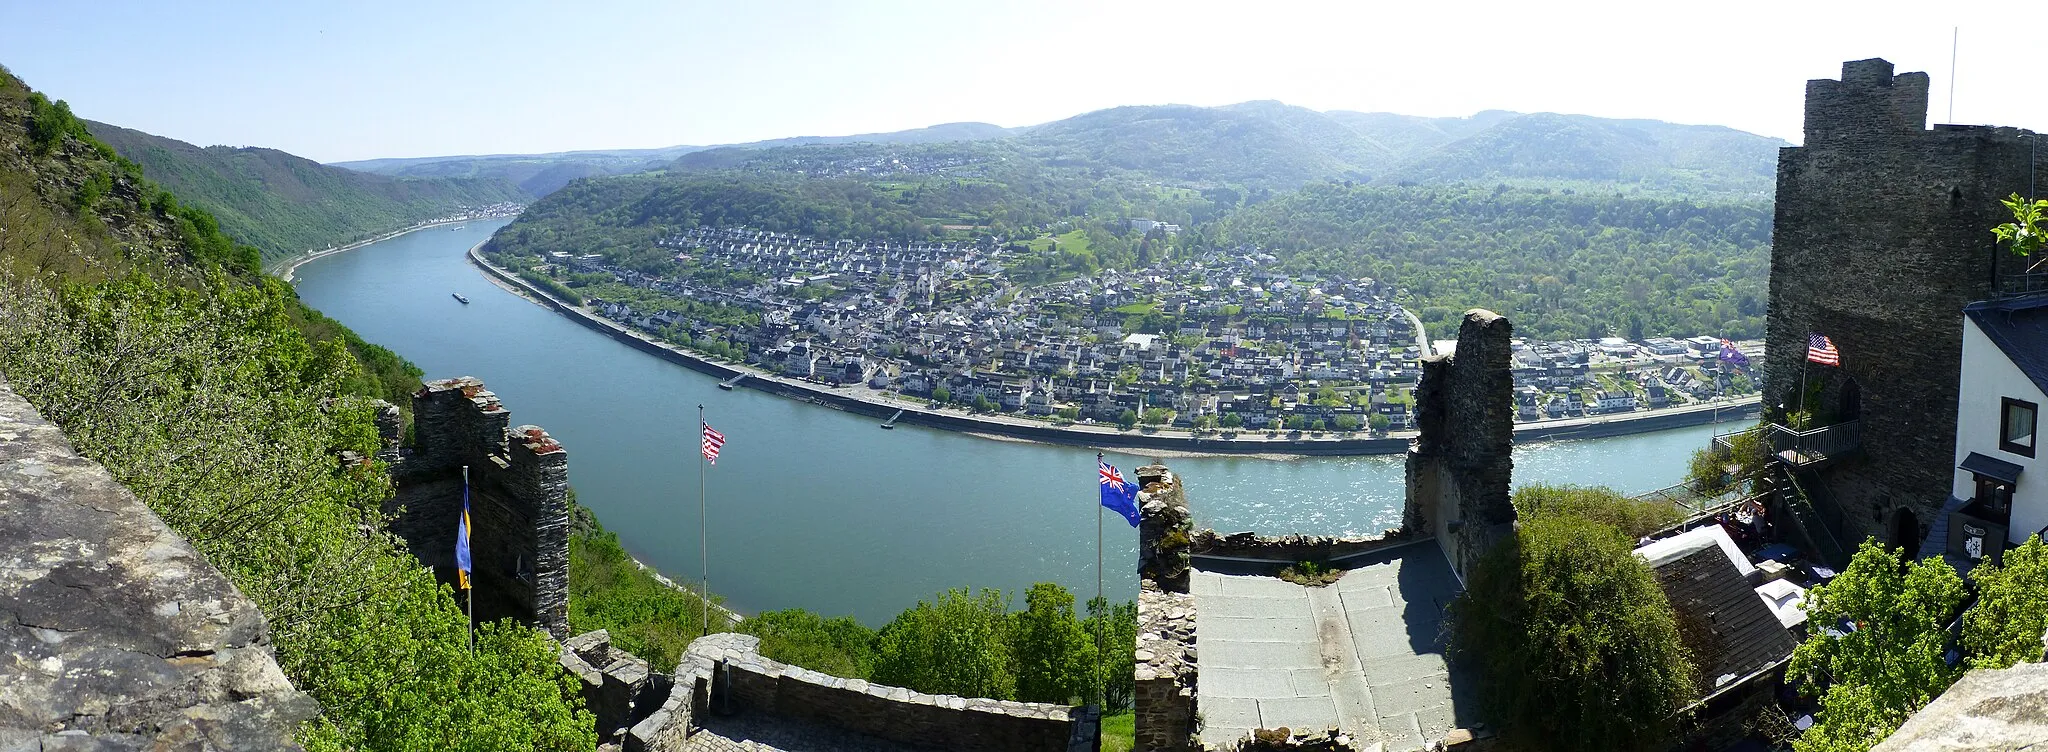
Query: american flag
x=1820 y=349
x=713 y=441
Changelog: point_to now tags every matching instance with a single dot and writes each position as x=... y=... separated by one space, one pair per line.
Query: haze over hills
x=285 y=204
x=1259 y=145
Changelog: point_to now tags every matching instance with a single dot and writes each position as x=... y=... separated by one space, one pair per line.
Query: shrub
x=1596 y=503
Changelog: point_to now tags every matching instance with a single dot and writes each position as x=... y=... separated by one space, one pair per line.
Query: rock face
x=617 y=687
x=1985 y=710
x=116 y=633
x=1461 y=465
x=1882 y=234
x=1165 y=701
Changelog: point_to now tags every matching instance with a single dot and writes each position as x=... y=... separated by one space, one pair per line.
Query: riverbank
x=284 y=268
x=1293 y=444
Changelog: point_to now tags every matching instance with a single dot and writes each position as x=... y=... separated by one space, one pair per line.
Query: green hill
x=284 y=204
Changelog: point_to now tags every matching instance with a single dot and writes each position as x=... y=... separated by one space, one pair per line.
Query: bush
x=2006 y=625
x=1598 y=504
x=1886 y=659
x=957 y=644
x=1575 y=645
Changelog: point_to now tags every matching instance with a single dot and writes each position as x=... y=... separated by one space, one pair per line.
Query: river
x=811 y=507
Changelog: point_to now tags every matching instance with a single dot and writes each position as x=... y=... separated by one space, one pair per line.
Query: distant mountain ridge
x=285 y=204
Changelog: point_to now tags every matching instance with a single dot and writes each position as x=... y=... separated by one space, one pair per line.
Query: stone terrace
x=1361 y=655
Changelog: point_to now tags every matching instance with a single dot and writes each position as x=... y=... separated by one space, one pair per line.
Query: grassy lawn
x=1119 y=732
x=1149 y=306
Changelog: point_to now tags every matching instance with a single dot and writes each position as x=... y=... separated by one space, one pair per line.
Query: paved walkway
x=1361 y=655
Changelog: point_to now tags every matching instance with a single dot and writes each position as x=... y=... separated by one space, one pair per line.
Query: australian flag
x=1732 y=356
x=1119 y=495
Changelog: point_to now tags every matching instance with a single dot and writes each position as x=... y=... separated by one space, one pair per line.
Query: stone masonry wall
x=1882 y=233
x=1165 y=700
x=119 y=635
x=1462 y=464
x=743 y=681
x=518 y=501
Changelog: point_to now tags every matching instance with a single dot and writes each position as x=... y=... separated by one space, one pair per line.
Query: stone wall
x=725 y=673
x=518 y=480
x=1289 y=549
x=1165 y=699
x=1882 y=233
x=1461 y=466
x=615 y=685
x=119 y=635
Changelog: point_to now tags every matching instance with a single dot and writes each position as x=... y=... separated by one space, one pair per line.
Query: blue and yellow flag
x=462 y=566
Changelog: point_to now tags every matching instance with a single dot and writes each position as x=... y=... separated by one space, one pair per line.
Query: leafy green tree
x=1118 y=629
x=1296 y=422
x=1232 y=420
x=942 y=395
x=957 y=644
x=1378 y=422
x=1157 y=416
x=1597 y=503
x=2011 y=614
x=839 y=646
x=1127 y=418
x=1070 y=413
x=1347 y=422
x=1051 y=651
x=1876 y=653
x=984 y=404
x=2026 y=234
x=1575 y=645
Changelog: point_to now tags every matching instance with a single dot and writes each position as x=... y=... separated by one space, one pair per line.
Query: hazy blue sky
x=354 y=80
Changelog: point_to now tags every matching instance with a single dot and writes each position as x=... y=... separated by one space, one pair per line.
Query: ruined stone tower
x=518 y=505
x=1882 y=234
x=1462 y=463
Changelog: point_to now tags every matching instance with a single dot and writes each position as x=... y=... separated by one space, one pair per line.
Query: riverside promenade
x=861 y=400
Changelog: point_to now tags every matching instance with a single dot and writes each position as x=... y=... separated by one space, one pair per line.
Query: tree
x=839 y=646
x=1575 y=645
x=1118 y=627
x=958 y=644
x=1051 y=651
x=1232 y=420
x=2006 y=625
x=984 y=404
x=1127 y=418
x=1157 y=416
x=1070 y=413
x=1597 y=503
x=1378 y=422
x=1316 y=425
x=2025 y=235
x=1347 y=422
x=1876 y=652
x=942 y=395
x=1295 y=422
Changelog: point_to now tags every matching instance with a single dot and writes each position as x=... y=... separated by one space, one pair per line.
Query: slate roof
x=1705 y=585
x=2020 y=328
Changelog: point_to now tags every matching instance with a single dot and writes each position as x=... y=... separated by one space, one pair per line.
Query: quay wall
x=1398 y=444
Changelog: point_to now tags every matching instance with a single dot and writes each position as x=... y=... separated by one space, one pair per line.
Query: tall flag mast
x=462 y=559
x=1122 y=496
x=713 y=442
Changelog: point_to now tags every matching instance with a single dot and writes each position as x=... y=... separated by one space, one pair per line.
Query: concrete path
x=1361 y=655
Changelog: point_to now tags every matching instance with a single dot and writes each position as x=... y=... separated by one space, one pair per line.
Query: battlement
x=1867 y=102
x=519 y=501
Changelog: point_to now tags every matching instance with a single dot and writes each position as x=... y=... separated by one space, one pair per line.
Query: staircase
x=1819 y=538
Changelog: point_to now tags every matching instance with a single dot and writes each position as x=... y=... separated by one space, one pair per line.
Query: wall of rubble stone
x=1288 y=549
x=616 y=686
x=732 y=666
x=1882 y=233
x=119 y=635
x=518 y=498
x=1166 y=705
x=1462 y=464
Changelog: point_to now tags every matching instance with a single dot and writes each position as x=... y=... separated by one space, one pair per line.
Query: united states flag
x=713 y=441
x=1820 y=349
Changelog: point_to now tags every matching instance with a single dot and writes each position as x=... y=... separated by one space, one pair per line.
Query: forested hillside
x=1562 y=264
x=284 y=204
x=131 y=321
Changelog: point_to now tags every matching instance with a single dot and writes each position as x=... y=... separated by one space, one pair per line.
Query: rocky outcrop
x=1985 y=710
x=117 y=633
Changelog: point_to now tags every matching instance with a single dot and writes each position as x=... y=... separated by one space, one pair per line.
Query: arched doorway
x=1851 y=406
x=1906 y=533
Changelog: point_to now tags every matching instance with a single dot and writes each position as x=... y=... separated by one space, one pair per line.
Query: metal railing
x=1815 y=445
x=2022 y=284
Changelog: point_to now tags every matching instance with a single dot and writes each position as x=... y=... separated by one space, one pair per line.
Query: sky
x=360 y=80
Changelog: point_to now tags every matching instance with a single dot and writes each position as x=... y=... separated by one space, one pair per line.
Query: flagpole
x=471 y=590
x=703 y=537
x=1104 y=615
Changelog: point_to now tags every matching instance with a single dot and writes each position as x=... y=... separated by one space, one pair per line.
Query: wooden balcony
x=1815 y=446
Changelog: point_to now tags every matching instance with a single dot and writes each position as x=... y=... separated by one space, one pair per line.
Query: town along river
x=815 y=508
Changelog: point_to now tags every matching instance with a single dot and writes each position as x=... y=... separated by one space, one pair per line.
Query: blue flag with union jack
x=1119 y=495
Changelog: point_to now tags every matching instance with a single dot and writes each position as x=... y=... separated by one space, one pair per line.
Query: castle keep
x=518 y=501
x=1882 y=234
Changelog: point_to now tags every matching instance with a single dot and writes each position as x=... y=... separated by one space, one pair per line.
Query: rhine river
x=814 y=508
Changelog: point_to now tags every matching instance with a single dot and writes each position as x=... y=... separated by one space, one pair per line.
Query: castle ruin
x=1882 y=235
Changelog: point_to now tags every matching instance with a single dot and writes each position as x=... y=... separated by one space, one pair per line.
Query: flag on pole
x=1732 y=356
x=1820 y=349
x=462 y=565
x=713 y=441
x=1119 y=495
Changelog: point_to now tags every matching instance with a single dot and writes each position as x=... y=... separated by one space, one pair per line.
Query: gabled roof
x=1705 y=589
x=2020 y=328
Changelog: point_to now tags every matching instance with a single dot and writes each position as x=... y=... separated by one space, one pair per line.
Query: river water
x=811 y=507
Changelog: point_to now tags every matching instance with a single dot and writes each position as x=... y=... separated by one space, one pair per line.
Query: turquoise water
x=811 y=507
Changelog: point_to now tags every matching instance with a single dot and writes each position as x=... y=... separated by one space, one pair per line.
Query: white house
x=2001 y=481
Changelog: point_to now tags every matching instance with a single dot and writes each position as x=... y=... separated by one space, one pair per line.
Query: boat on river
x=458 y=296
